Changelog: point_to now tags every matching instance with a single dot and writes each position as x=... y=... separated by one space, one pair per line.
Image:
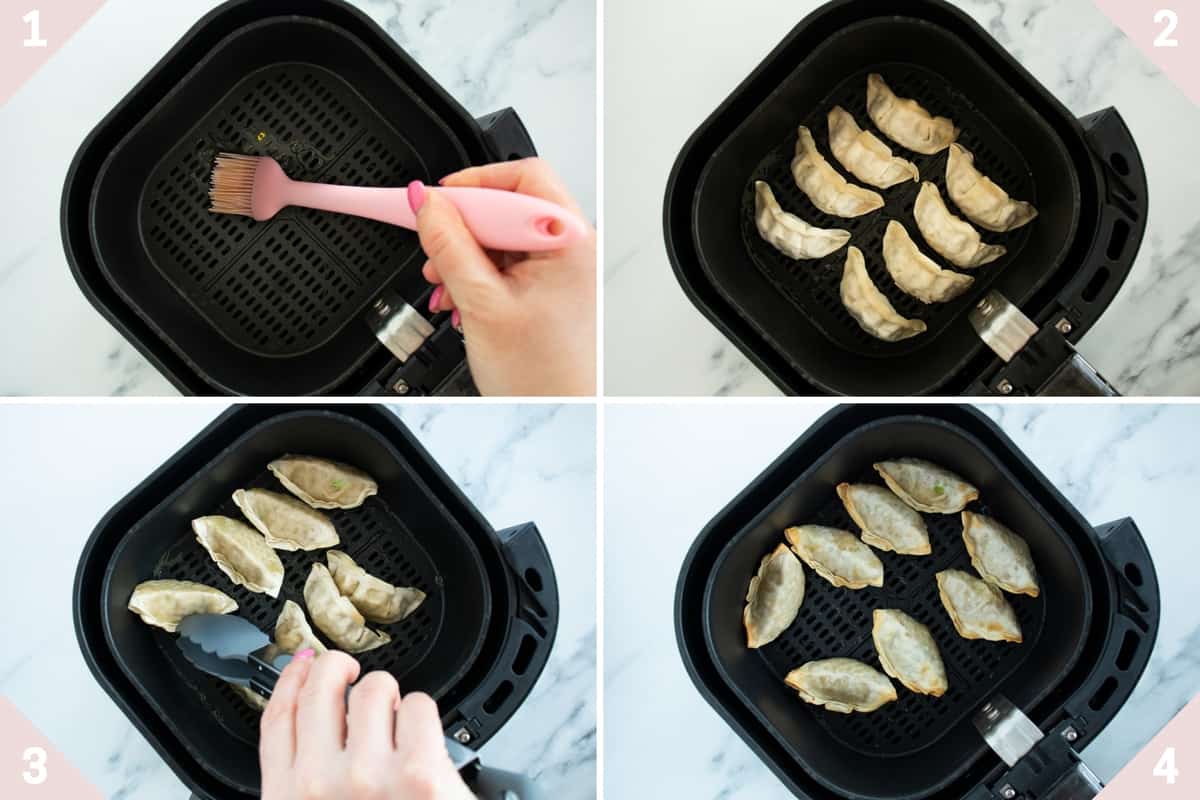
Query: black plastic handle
x=496 y=784
x=506 y=135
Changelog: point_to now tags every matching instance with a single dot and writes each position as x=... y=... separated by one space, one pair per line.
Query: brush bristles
x=232 y=186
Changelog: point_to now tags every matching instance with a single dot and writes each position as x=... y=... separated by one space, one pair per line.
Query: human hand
x=529 y=319
x=388 y=748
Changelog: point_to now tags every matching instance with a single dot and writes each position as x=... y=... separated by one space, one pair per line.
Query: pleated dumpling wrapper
x=323 y=483
x=241 y=552
x=977 y=609
x=838 y=556
x=774 y=598
x=293 y=633
x=336 y=617
x=375 y=599
x=926 y=486
x=842 y=685
x=1000 y=556
x=886 y=521
x=287 y=523
x=908 y=652
x=164 y=603
x=906 y=121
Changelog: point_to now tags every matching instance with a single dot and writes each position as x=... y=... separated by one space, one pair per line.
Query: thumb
x=469 y=273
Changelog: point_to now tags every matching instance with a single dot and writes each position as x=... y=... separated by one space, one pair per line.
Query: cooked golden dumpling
x=292 y=631
x=842 y=685
x=789 y=234
x=984 y=203
x=908 y=652
x=241 y=553
x=953 y=238
x=287 y=523
x=863 y=155
x=825 y=186
x=164 y=603
x=336 y=616
x=916 y=273
x=870 y=308
x=925 y=486
x=322 y=483
x=838 y=556
x=978 y=609
x=905 y=121
x=376 y=599
x=1000 y=556
x=774 y=598
x=886 y=521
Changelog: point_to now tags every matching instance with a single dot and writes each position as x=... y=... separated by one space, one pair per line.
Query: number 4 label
x=1165 y=768
x=34 y=18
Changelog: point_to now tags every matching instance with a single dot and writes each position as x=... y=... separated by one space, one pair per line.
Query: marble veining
x=661 y=736
x=1146 y=342
x=536 y=457
x=538 y=57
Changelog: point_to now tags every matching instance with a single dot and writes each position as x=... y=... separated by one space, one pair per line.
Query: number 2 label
x=1165 y=768
x=34 y=18
x=35 y=757
x=1172 y=19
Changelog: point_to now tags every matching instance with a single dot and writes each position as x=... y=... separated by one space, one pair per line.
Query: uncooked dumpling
x=838 y=556
x=886 y=521
x=241 y=552
x=774 y=598
x=287 y=523
x=842 y=685
x=870 y=308
x=293 y=633
x=925 y=486
x=789 y=234
x=908 y=652
x=915 y=273
x=1000 y=556
x=376 y=599
x=336 y=616
x=953 y=238
x=164 y=603
x=825 y=186
x=984 y=203
x=905 y=121
x=322 y=483
x=977 y=609
x=863 y=155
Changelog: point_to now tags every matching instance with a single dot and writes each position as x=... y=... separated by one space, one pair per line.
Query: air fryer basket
x=788 y=315
x=1087 y=637
x=281 y=307
x=477 y=644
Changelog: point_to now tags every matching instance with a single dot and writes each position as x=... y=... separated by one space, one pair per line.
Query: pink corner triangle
x=31 y=32
x=1153 y=26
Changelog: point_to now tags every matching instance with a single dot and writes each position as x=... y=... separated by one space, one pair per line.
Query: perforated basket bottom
x=813 y=286
x=836 y=622
x=285 y=286
x=373 y=536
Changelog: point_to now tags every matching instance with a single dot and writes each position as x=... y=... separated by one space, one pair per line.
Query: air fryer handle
x=506 y=136
x=496 y=784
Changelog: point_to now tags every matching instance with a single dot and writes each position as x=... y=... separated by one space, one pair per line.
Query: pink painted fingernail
x=441 y=181
x=436 y=297
x=456 y=319
x=416 y=196
x=304 y=655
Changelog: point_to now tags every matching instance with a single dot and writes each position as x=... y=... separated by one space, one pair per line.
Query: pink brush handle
x=498 y=220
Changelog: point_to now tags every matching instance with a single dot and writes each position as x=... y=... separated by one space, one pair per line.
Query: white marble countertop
x=537 y=56
x=662 y=739
x=64 y=466
x=668 y=64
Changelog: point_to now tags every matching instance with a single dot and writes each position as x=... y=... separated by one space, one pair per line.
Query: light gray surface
x=536 y=56
x=657 y=343
x=668 y=471
x=64 y=466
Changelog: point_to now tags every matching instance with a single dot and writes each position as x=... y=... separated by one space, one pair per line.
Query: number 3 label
x=35 y=757
x=1172 y=22
x=1165 y=768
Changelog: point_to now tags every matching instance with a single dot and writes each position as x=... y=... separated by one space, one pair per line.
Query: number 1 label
x=34 y=18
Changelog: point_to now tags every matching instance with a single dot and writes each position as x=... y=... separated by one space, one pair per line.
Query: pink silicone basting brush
x=258 y=187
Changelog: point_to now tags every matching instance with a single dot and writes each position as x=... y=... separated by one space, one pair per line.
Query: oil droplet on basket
x=261 y=135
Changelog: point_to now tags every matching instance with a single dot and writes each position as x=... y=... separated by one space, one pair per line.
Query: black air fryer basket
x=1062 y=270
x=1087 y=637
x=224 y=304
x=477 y=644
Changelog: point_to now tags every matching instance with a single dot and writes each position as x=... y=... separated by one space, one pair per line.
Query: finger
x=441 y=299
x=419 y=735
x=531 y=176
x=430 y=273
x=461 y=263
x=372 y=723
x=321 y=713
x=277 y=728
